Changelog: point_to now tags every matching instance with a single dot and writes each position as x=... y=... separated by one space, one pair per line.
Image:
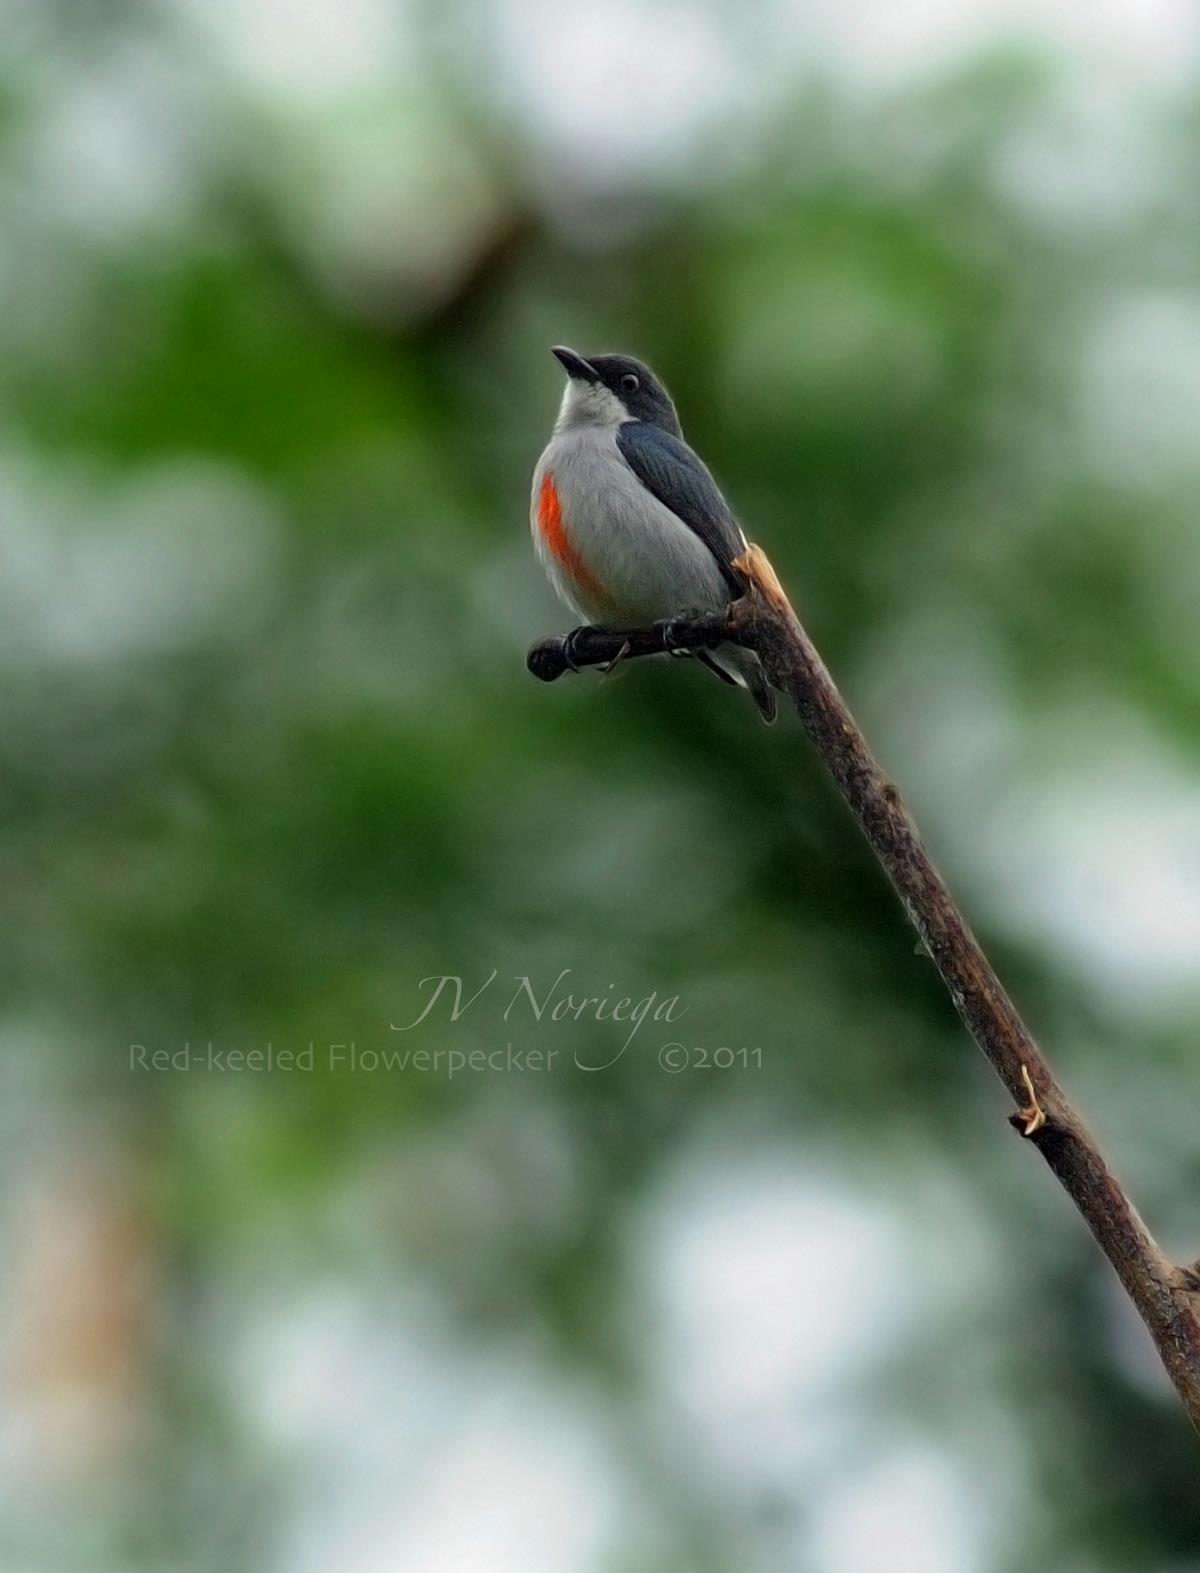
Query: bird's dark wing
x=669 y=469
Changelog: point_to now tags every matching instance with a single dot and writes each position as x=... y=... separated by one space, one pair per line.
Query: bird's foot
x=1030 y=1117
x=675 y=631
x=570 y=644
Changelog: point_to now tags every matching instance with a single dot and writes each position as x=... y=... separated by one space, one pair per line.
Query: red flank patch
x=558 y=543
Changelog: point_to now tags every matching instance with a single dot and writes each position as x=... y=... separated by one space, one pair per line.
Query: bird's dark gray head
x=605 y=390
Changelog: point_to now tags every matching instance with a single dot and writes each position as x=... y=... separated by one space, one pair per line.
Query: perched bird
x=627 y=521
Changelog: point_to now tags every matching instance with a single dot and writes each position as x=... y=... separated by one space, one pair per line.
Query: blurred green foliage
x=274 y=377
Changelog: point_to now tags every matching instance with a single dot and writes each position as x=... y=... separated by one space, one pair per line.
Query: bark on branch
x=1167 y=1297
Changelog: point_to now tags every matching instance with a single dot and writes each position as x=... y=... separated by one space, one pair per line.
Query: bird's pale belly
x=613 y=552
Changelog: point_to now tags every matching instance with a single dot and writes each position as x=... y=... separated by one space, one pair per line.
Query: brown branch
x=1165 y=1296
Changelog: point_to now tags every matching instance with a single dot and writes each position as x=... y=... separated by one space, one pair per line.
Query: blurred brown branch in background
x=763 y=620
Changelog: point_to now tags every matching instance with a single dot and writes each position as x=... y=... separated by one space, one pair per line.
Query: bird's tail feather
x=761 y=691
x=732 y=664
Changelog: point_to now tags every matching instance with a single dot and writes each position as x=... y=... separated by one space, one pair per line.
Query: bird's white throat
x=589 y=404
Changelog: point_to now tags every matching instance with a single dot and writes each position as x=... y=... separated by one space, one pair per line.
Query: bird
x=627 y=520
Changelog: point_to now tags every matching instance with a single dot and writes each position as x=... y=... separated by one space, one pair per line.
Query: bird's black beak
x=574 y=365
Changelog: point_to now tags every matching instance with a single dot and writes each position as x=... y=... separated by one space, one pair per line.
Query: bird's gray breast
x=634 y=560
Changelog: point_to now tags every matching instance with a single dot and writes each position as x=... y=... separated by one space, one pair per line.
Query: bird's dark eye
x=629 y=383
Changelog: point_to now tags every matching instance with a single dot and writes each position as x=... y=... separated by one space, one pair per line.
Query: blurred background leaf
x=279 y=283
